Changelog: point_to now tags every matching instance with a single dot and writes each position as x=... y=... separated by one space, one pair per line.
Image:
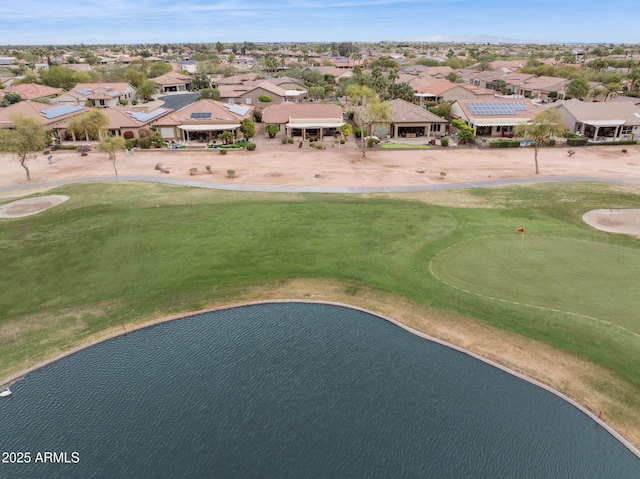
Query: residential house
x=249 y=94
x=601 y=121
x=304 y=119
x=495 y=117
x=123 y=119
x=338 y=74
x=189 y=66
x=172 y=82
x=97 y=94
x=203 y=121
x=439 y=73
x=543 y=88
x=52 y=118
x=480 y=79
x=32 y=91
x=234 y=79
x=436 y=91
x=411 y=121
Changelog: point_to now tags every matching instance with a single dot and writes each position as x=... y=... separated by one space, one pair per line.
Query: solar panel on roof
x=60 y=110
x=84 y=91
x=145 y=117
x=200 y=115
x=240 y=110
x=496 y=108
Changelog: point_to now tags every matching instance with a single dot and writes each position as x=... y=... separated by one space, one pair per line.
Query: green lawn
x=117 y=253
x=587 y=278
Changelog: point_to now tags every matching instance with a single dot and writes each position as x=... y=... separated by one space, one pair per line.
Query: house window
x=435 y=127
x=101 y=102
x=626 y=130
x=232 y=100
x=248 y=101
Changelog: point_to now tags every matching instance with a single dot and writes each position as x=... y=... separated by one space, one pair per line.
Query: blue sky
x=43 y=22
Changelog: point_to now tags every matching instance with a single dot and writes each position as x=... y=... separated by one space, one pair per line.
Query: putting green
x=586 y=278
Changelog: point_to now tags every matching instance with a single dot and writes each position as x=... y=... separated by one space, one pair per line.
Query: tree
x=146 y=90
x=248 y=128
x=58 y=77
x=403 y=90
x=89 y=125
x=201 y=81
x=578 y=88
x=545 y=126
x=111 y=145
x=370 y=109
x=159 y=68
x=226 y=137
x=24 y=140
x=271 y=63
x=271 y=130
x=210 y=94
x=133 y=76
x=317 y=92
x=346 y=130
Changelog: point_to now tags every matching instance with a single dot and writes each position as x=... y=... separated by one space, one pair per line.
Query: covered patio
x=206 y=133
x=312 y=126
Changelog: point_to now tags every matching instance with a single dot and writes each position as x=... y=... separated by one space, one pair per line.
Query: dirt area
x=274 y=164
x=30 y=206
x=614 y=221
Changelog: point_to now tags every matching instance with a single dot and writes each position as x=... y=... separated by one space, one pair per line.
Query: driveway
x=179 y=100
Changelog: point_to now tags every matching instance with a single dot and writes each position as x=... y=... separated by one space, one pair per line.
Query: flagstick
x=522 y=244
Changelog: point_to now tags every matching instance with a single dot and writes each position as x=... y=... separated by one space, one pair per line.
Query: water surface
x=295 y=390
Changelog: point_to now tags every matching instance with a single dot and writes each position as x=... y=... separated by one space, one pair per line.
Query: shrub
x=130 y=143
x=300 y=144
x=251 y=146
x=271 y=129
x=371 y=141
x=571 y=153
x=144 y=143
x=134 y=102
x=571 y=134
x=83 y=149
x=576 y=141
x=357 y=131
x=444 y=141
x=290 y=140
x=223 y=152
x=504 y=144
x=257 y=116
x=231 y=173
x=284 y=140
x=208 y=167
x=124 y=101
x=264 y=98
x=127 y=135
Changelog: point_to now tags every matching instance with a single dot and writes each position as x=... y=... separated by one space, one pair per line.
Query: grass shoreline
x=497 y=362
x=207 y=250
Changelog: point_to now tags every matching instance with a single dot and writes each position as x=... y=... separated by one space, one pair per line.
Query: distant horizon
x=125 y=22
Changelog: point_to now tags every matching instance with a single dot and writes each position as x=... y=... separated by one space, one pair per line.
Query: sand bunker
x=30 y=206
x=614 y=221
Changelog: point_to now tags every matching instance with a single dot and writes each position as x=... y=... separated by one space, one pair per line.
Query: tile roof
x=280 y=113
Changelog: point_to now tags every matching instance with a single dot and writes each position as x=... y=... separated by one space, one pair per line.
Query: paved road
x=178 y=100
x=318 y=189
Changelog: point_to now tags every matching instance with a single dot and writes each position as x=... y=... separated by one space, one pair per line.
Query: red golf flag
x=521 y=230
